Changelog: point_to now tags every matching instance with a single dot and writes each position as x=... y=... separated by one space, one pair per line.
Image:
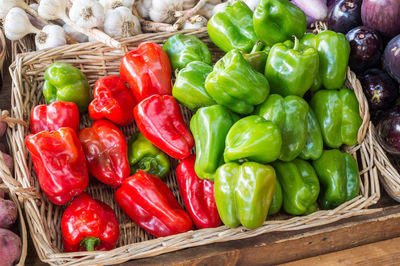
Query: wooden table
x=368 y=240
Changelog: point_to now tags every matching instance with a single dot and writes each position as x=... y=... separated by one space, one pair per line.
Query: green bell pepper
x=258 y=56
x=253 y=138
x=243 y=193
x=291 y=68
x=337 y=113
x=183 y=49
x=277 y=199
x=290 y=114
x=338 y=173
x=278 y=20
x=209 y=127
x=63 y=82
x=189 y=87
x=314 y=144
x=300 y=185
x=233 y=28
x=143 y=155
x=235 y=84
x=309 y=40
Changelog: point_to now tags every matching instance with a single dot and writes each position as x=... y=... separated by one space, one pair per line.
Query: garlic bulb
x=49 y=37
x=53 y=9
x=207 y=10
x=188 y=4
x=120 y=22
x=195 y=22
x=76 y=35
x=164 y=10
x=214 y=2
x=87 y=13
x=143 y=7
x=219 y=8
x=252 y=4
x=17 y=24
x=113 y=4
x=7 y=5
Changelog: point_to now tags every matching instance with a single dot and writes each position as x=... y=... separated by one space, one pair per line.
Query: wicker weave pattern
x=96 y=60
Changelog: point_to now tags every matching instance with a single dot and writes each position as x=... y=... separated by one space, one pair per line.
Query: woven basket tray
x=95 y=61
x=7 y=178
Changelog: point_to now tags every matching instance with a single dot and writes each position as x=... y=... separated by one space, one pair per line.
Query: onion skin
x=382 y=15
x=314 y=9
x=344 y=15
x=391 y=58
x=366 y=48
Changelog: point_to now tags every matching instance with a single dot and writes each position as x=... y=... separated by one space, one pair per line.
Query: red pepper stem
x=90 y=242
x=146 y=164
x=296 y=43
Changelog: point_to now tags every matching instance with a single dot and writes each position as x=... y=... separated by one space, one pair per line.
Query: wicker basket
x=7 y=178
x=95 y=60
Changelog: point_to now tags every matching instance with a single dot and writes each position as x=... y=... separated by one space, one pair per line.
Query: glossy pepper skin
x=147 y=70
x=59 y=162
x=310 y=40
x=89 y=225
x=63 y=82
x=197 y=195
x=150 y=204
x=277 y=199
x=278 y=20
x=290 y=114
x=300 y=185
x=338 y=173
x=209 y=126
x=314 y=144
x=337 y=112
x=235 y=84
x=233 y=28
x=291 y=68
x=144 y=156
x=189 y=87
x=113 y=100
x=244 y=193
x=54 y=116
x=183 y=49
x=253 y=138
x=105 y=149
x=160 y=121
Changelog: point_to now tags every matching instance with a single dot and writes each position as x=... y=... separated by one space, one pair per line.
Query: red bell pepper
x=54 y=116
x=88 y=225
x=106 y=152
x=112 y=100
x=160 y=120
x=149 y=203
x=147 y=71
x=197 y=195
x=59 y=163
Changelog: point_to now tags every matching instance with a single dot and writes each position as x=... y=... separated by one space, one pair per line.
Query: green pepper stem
x=90 y=242
x=296 y=43
x=257 y=47
x=147 y=164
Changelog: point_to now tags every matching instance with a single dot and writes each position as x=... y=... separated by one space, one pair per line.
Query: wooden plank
x=380 y=253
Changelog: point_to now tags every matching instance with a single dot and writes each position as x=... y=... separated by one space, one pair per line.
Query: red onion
x=314 y=9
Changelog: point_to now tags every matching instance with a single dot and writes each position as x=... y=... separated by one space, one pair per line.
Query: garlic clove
x=164 y=10
x=17 y=24
x=120 y=22
x=76 y=35
x=113 y=4
x=49 y=37
x=87 y=14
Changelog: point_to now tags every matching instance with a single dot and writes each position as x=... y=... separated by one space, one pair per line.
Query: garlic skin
x=219 y=8
x=195 y=22
x=76 y=35
x=214 y=2
x=49 y=37
x=120 y=22
x=7 y=5
x=143 y=7
x=113 y=4
x=252 y=4
x=87 y=13
x=188 y=4
x=164 y=10
x=207 y=10
x=52 y=9
x=17 y=24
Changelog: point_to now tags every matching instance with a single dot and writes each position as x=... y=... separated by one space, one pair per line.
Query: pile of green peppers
x=263 y=144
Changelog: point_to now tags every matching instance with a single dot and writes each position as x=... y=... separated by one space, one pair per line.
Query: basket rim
x=357 y=206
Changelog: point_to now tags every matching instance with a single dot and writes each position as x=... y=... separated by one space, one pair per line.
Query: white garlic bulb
x=49 y=37
x=120 y=22
x=207 y=10
x=52 y=9
x=17 y=24
x=252 y=4
x=113 y=4
x=219 y=8
x=87 y=14
x=164 y=10
x=195 y=22
x=76 y=35
x=143 y=7
x=188 y=4
x=7 y=5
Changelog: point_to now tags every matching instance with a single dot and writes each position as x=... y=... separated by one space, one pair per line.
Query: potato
x=3 y=127
x=10 y=247
x=8 y=213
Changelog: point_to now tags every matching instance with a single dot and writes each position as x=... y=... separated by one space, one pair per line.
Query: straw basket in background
x=96 y=60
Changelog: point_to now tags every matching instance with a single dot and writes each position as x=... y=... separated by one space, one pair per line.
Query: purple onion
x=314 y=9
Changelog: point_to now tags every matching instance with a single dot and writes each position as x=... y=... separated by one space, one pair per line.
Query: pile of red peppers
x=64 y=155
